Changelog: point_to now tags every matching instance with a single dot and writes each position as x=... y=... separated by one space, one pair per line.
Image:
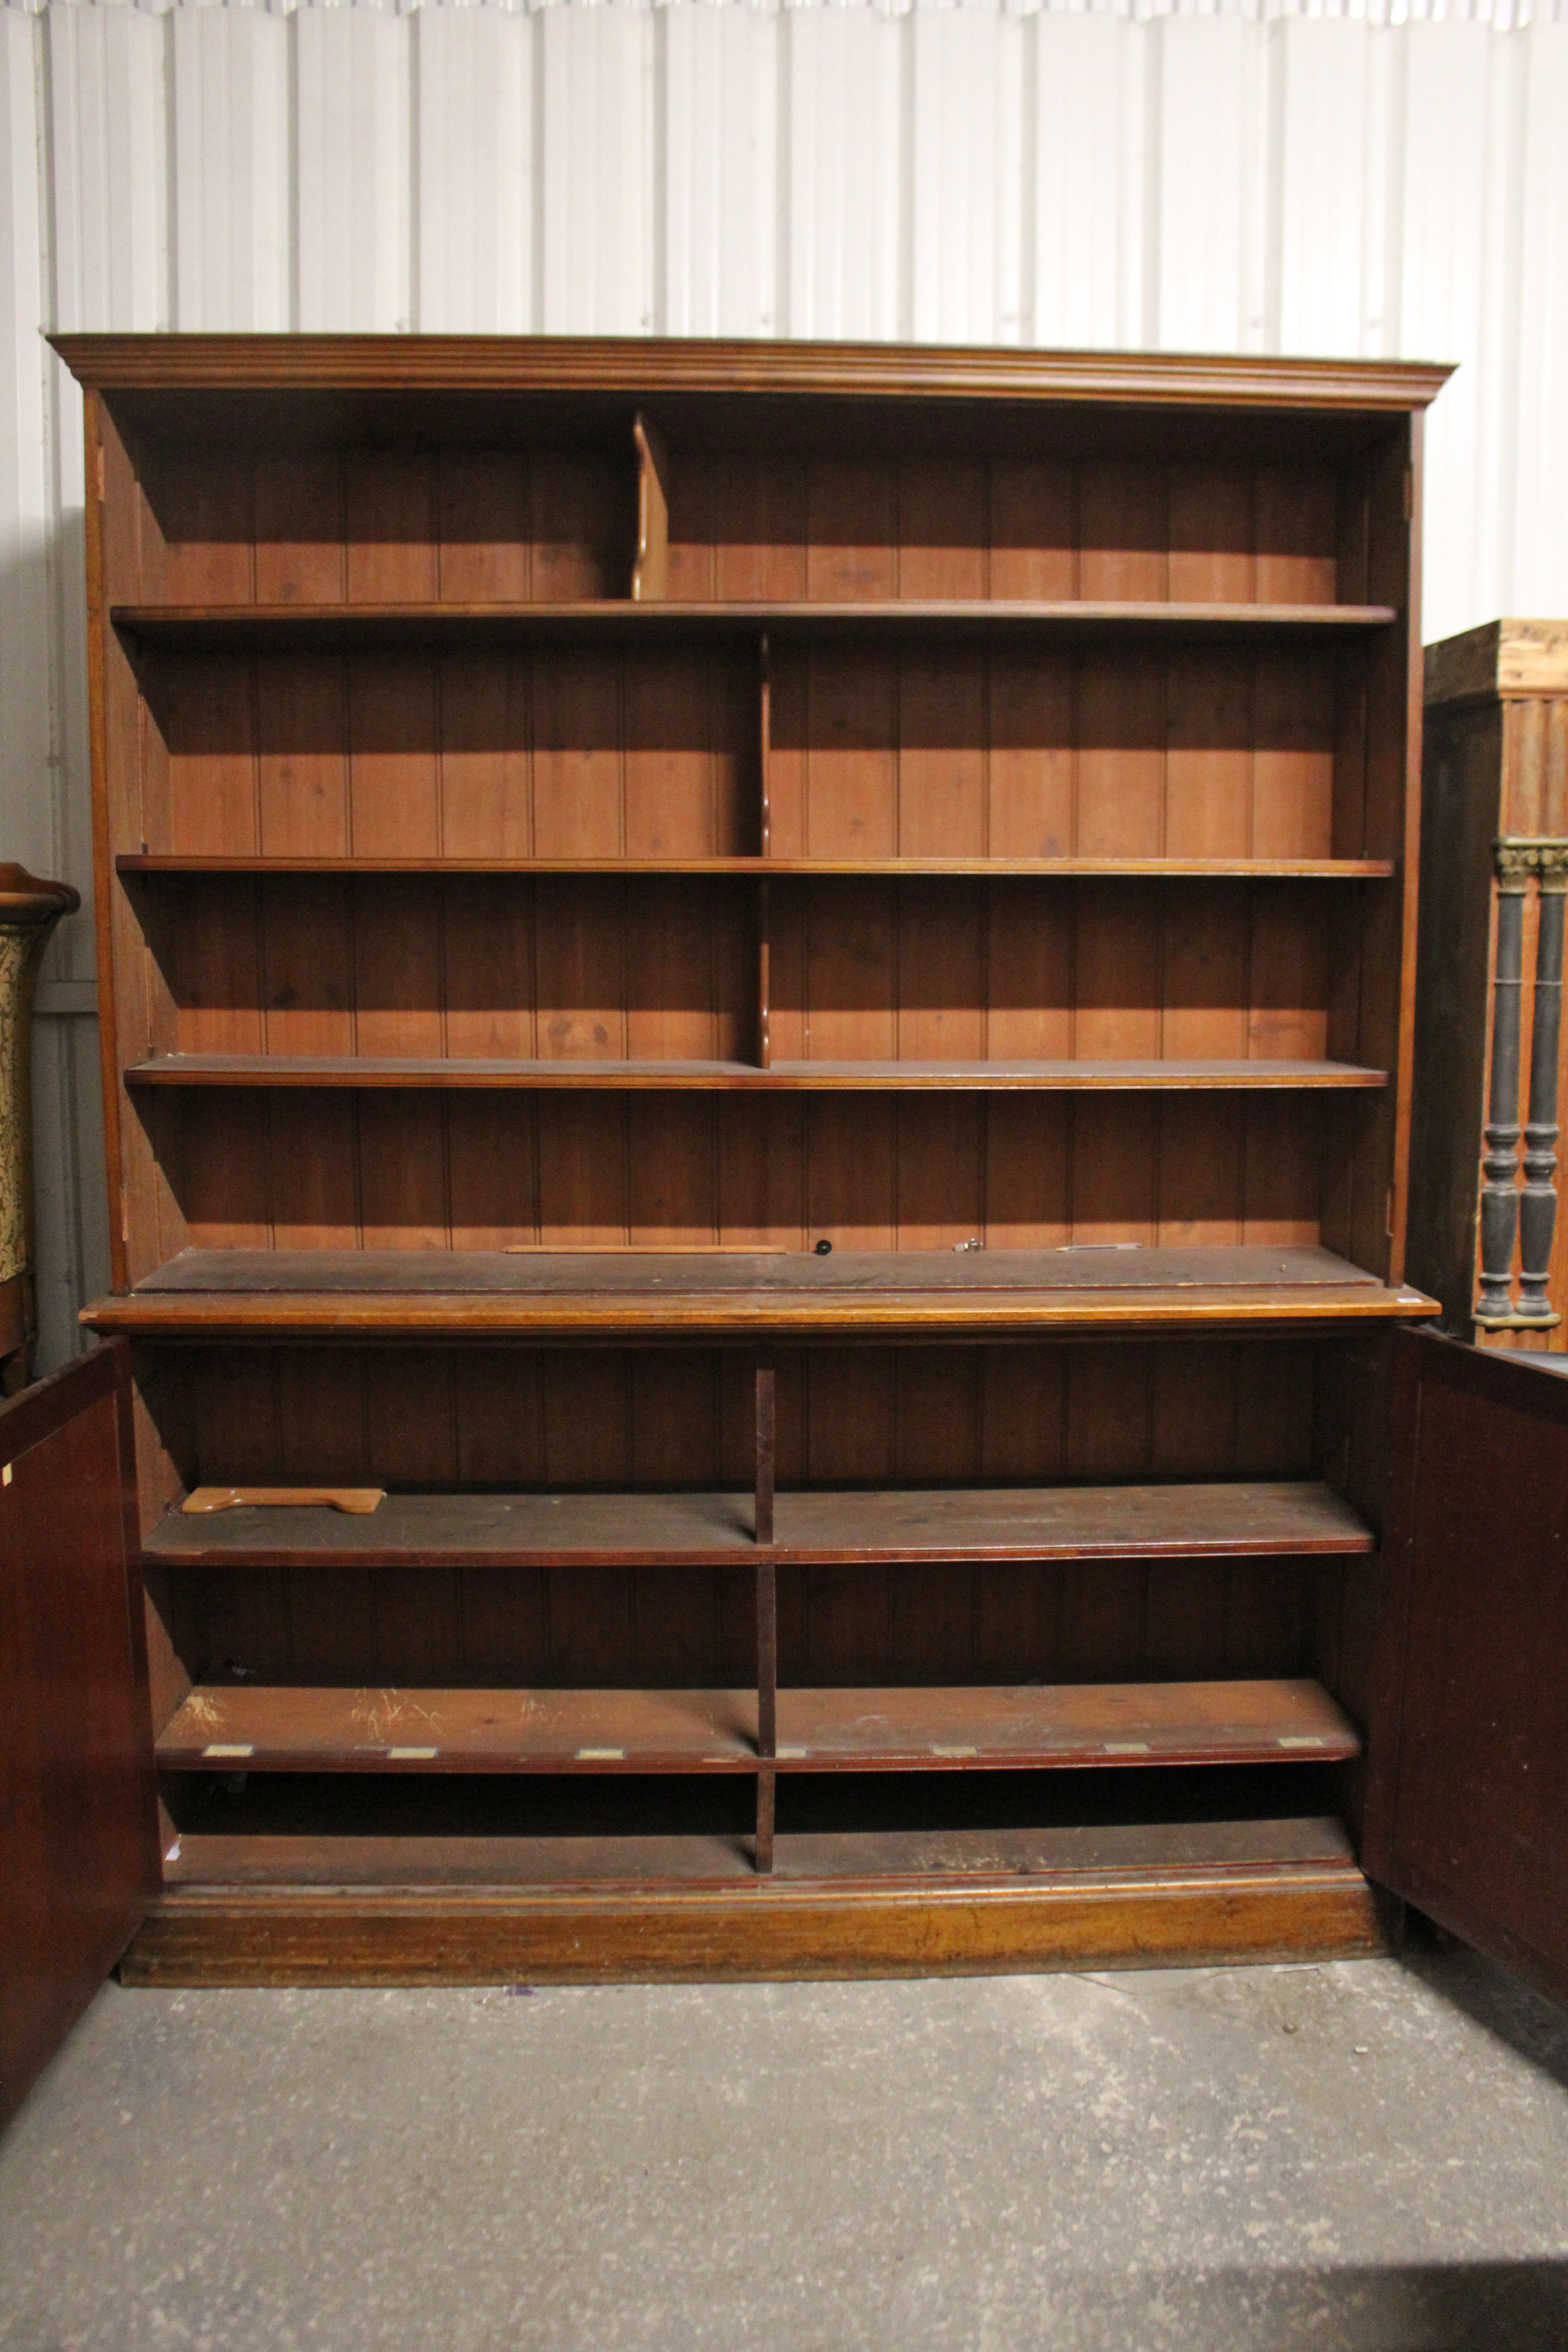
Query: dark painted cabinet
x=78 y=1860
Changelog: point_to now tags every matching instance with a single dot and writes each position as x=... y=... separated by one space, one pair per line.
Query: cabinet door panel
x=78 y=1857
x=1467 y=1794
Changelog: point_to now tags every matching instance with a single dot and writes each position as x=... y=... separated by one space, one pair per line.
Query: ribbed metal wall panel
x=232 y=203
x=474 y=208
x=1261 y=175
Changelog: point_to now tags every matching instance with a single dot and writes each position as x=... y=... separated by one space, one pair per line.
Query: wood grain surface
x=1199 y=1521
x=1060 y=1078
x=515 y=364
x=207 y=1858
x=1183 y=1915
x=1325 y=869
x=271 y=1728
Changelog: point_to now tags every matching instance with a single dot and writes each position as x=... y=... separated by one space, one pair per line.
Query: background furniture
x=1484 y=1230
x=773 y=983
x=29 y=909
x=79 y=1849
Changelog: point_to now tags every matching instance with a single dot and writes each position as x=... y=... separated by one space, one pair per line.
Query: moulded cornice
x=657 y=364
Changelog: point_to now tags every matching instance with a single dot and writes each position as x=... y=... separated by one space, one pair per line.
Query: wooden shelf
x=790 y=1077
x=294 y=1728
x=1299 y=1841
x=290 y=1729
x=869 y=1294
x=213 y=628
x=1243 y=869
x=1267 y=1519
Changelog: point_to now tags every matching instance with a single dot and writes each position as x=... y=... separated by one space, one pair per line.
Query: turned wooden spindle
x=1499 y=1158
x=1538 y=1201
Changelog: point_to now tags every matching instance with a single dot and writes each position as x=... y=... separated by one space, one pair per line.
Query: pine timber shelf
x=981 y=1294
x=231 y=628
x=294 y=1728
x=763 y=870
x=782 y=1076
x=1236 y=1519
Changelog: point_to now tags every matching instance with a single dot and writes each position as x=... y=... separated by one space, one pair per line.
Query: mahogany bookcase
x=771 y=982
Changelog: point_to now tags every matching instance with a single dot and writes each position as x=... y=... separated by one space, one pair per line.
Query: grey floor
x=1365 y=2155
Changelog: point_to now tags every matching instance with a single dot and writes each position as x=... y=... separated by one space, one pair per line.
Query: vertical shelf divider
x=766 y=705
x=765 y=980
x=766 y=1450
x=765 y=933
x=650 y=573
x=767 y=1616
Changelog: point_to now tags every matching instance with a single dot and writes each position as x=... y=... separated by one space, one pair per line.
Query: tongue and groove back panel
x=561 y=797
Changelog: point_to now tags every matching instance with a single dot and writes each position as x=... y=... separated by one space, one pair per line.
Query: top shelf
x=195 y=628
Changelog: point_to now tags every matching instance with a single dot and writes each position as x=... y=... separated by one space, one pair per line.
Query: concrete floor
x=1371 y=2155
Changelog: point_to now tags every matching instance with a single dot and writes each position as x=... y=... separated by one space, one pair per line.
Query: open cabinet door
x=78 y=1852
x=1467 y=1811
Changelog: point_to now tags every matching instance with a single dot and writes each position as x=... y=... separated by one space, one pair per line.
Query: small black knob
x=824 y=1248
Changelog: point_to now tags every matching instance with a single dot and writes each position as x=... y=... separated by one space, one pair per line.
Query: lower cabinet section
x=773 y=1724
x=310 y=1837
x=835 y=1906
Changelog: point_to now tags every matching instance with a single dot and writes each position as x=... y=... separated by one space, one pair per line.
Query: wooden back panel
x=569 y=752
x=681 y=1417
x=618 y=1628
x=838 y=529
x=477 y=1170
x=662 y=967
x=270 y=524
x=863 y=1417
x=1052 y=751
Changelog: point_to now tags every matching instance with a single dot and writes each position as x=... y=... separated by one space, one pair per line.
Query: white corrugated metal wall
x=1371 y=180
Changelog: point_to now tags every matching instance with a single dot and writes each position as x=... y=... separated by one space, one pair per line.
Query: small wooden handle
x=361 y=1500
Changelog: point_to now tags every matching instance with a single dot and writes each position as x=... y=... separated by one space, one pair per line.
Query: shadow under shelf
x=235 y=628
